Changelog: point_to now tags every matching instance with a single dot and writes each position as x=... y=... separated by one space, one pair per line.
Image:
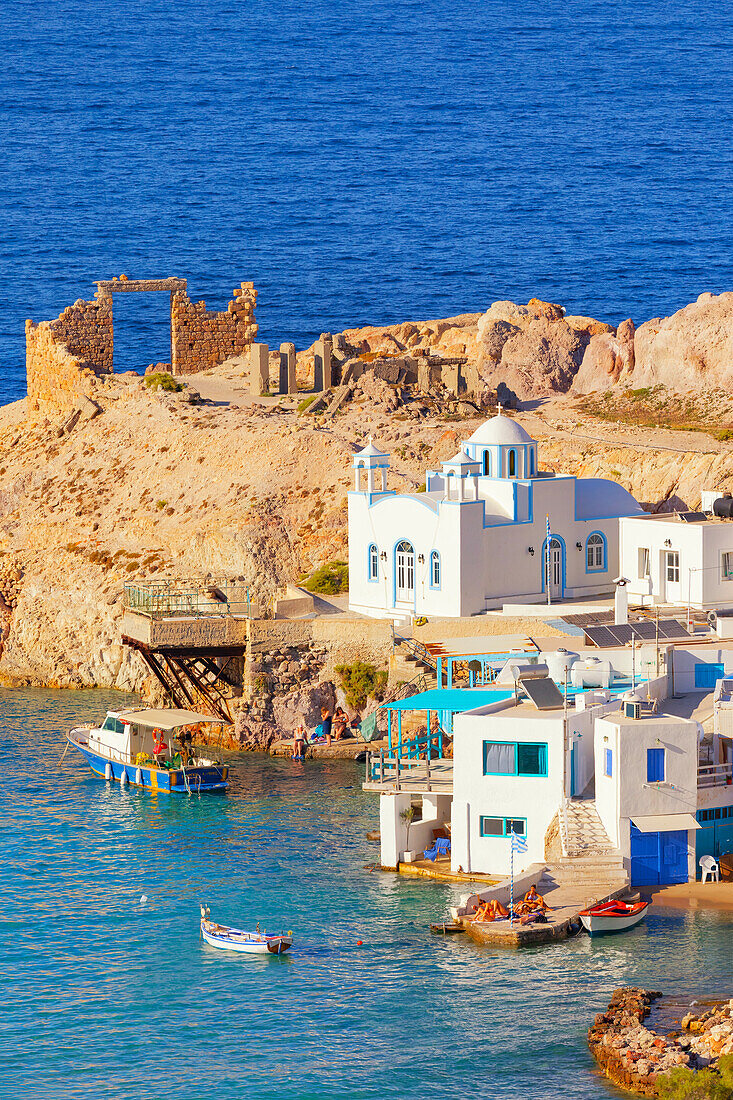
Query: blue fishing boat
x=152 y=749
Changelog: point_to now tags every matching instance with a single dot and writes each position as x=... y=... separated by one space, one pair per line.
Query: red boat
x=613 y=916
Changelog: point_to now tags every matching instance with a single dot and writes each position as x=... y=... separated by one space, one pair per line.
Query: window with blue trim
x=503 y=826
x=487 y=463
x=655 y=765
x=523 y=758
x=608 y=762
x=531 y=461
x=435 y=569
x=595 y=553
x=512 y=464
x=373 y=567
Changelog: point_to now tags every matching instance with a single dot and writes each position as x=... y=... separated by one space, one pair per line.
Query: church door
x=555 y=569
x=405 y=573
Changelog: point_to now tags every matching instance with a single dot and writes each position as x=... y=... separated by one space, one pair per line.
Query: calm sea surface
x=362 y=162
x=106 y=998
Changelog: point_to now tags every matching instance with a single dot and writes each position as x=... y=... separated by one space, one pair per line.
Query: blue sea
x=361 y=162
x=109 y=998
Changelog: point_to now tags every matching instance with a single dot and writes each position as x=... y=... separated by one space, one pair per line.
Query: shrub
x=725 y=435
x=306 y=403
x=162 y=381
x=359 y=681
x=329 y=579
x=685 y=1084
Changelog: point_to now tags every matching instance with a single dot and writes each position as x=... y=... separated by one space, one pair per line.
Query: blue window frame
x=608 y=762
x=512 y=464
x=525 y=758
x=503 y=826
x=435 y=578
x=531 y=461
x=595 y=553
x=487 y=463
x=655 y=765
x=373 y=563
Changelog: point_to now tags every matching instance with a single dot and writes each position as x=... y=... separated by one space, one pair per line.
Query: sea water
x=362 y=161
x=107 y=997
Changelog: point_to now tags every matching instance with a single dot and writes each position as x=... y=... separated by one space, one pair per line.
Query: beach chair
x=440 y=848
x=709 y=866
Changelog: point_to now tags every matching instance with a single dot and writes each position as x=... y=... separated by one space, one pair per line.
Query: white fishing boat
x=249 y=943
x=613 y=916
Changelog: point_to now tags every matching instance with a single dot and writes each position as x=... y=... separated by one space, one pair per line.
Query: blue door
x=707 y=674
x=658 y=859
x=573 y=771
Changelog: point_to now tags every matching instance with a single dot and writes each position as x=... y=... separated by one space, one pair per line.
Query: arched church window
x=512 y=464
x=435 y=569
x=487 y=463
x=531 y=461
x=595 y=552
x=373 y=567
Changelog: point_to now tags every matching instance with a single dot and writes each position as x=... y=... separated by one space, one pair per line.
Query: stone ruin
x=61 y=353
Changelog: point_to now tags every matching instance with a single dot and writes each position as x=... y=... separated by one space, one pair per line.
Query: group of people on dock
x=332 y=727
x=531 y=908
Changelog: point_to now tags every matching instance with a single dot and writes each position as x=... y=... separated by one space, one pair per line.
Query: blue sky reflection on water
x=123 y=1000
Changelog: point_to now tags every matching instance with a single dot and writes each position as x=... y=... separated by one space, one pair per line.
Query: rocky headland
x=133 y=482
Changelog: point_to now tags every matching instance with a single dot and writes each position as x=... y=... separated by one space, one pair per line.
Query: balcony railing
x=714 y=775
x=163 y=599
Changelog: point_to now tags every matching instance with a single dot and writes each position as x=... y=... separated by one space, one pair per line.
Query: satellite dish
x=712 y=617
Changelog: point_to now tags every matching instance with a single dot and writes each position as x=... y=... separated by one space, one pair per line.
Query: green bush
x=306 y=403
x=359 y=681
x=162 y=381
x=686 y=1084
x=329 y=579
x=725 y=435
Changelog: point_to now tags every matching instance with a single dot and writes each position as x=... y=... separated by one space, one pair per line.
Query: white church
x=478 y=536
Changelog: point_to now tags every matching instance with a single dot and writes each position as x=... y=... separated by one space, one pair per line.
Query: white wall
x=684 y=661
x=700 y=547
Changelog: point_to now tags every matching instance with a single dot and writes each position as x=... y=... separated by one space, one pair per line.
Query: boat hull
x=609 y=922
x=196 y=780
x=232 y=939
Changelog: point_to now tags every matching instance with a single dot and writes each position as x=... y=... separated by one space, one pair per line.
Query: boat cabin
x=128 y=736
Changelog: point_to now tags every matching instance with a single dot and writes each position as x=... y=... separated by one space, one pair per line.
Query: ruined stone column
x=324 y=350
x=288 y=383
x=259 y=369
x=450 y=377
x=424 y=379
x=472 y=378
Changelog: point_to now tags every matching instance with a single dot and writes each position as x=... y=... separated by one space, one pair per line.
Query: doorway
x=553 y=567
x=142 y=330
x=404 y=573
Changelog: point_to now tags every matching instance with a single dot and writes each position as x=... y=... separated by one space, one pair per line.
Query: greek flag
x=519 y=844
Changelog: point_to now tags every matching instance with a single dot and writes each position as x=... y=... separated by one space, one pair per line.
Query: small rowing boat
x=613 y=916
x=248 y=943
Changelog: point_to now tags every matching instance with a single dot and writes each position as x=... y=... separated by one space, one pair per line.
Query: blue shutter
x=609 y=762
x=655 y=765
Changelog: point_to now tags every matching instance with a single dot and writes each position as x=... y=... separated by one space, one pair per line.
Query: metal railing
x=161 y=599
x=418 y=650
x=715 y=775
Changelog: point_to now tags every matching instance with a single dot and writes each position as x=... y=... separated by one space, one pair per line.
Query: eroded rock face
x=534 y=349
x=608 y=359
x=689 y=350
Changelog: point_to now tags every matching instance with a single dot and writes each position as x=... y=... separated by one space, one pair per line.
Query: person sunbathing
x=490 y=910
x=531 y=903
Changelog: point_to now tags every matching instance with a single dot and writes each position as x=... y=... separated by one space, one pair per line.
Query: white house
x=478 y=535
x=669 y=559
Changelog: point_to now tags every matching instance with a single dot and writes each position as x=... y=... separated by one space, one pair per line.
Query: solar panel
x=600 y=636
x=692 y=517
x=644 y=629
x=544 y=692
x=673 y=628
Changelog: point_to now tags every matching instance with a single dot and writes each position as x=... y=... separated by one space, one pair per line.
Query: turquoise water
x=108 y=998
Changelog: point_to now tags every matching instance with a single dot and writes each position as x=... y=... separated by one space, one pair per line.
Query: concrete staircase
x=589 y=859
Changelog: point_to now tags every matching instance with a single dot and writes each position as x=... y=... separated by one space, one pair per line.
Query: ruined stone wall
x=202 y=338
x=61 y=352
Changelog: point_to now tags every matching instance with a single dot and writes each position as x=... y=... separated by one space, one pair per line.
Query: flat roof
x=452 y=699
x=168 y=719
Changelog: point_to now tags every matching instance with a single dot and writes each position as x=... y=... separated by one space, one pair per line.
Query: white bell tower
x=373 y=462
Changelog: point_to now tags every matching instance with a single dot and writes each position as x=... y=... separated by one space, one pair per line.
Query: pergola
x=445 y=702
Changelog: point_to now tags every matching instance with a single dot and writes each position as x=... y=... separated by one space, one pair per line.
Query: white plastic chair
x=709 y=866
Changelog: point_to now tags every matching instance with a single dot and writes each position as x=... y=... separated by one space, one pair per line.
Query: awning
x=166 y=719
x=665 y=823
x=452 y=699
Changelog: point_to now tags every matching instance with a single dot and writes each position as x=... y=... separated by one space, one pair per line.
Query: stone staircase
x=589 y=859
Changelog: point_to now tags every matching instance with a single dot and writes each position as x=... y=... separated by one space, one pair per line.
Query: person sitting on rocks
x=340 y=724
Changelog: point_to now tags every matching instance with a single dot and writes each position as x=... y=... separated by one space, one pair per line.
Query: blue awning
x=454 y=700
